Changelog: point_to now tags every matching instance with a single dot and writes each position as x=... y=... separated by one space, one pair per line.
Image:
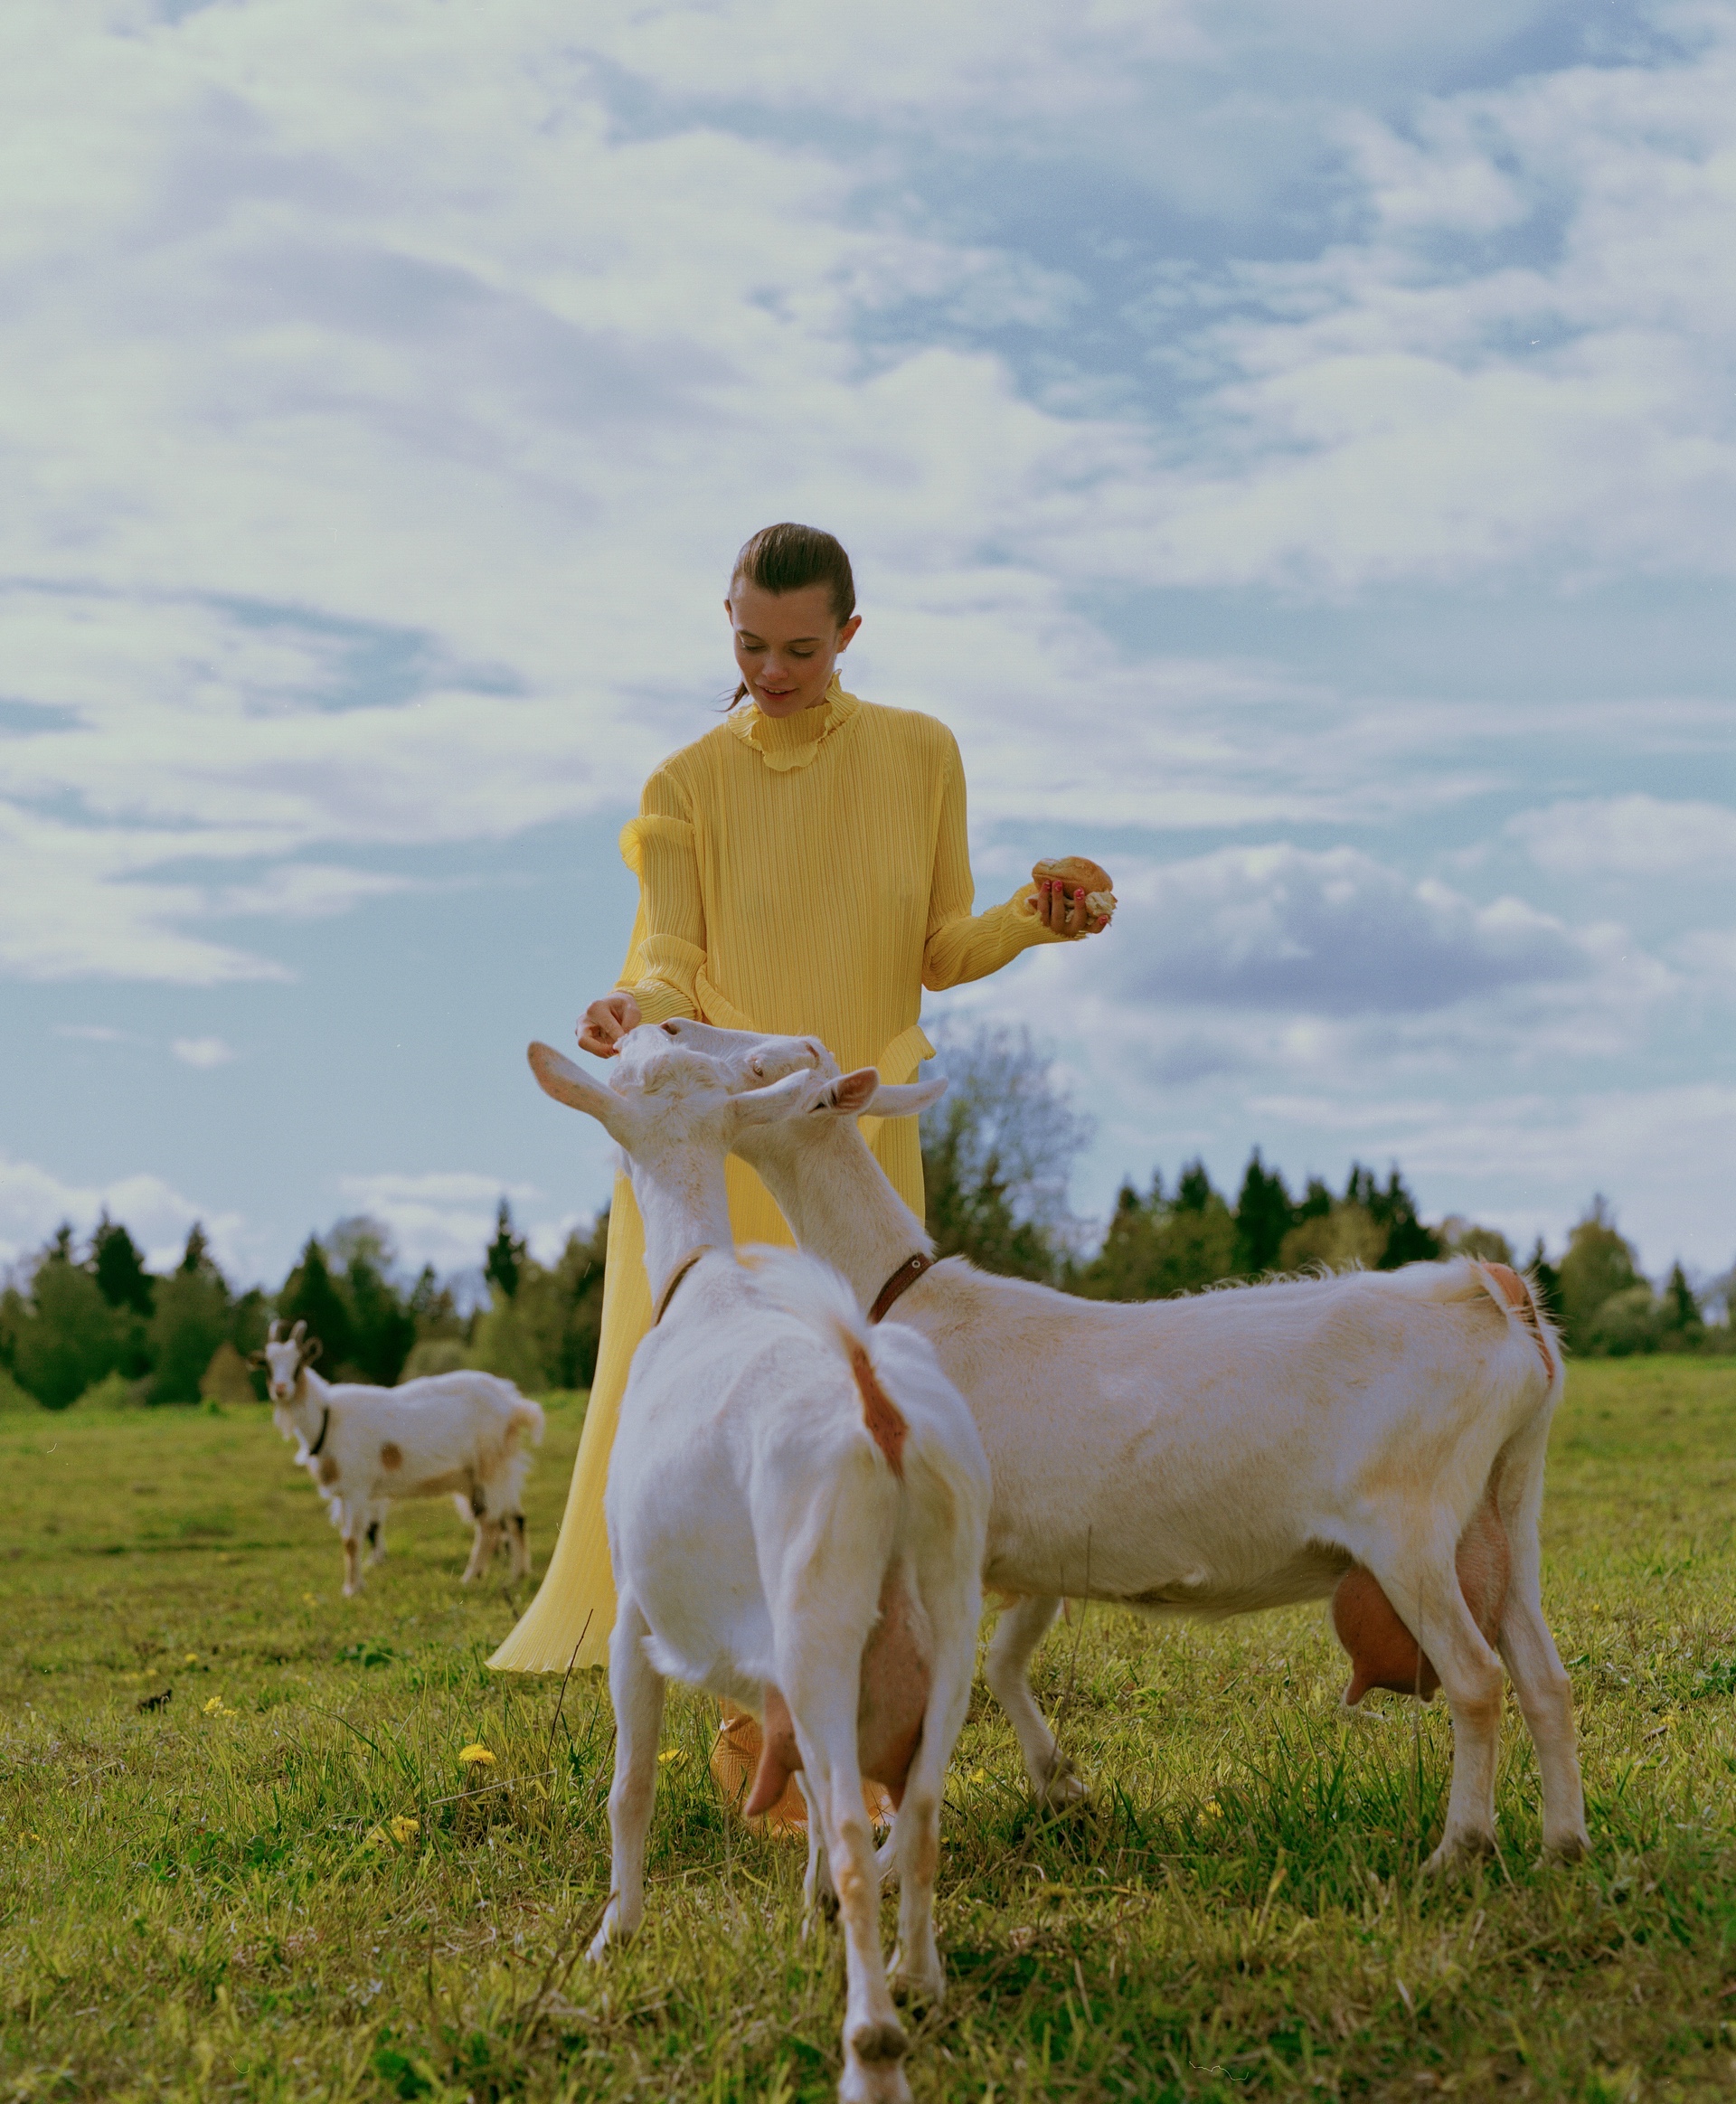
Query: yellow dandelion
x=214 y=1708
x=672 y=1757
x=191 y=1658
x=477 y=1756
x=405 y=1829
x=1212 y=1809
x=979 y=1775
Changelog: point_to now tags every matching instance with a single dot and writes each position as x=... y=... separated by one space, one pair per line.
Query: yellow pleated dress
x=807 y=875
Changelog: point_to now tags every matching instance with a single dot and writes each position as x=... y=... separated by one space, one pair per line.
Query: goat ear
x=905 y=1099
x=557 y=1076
x=256 y=1358
x=769 y=1106
x=311 y=1350
x=851 y=1094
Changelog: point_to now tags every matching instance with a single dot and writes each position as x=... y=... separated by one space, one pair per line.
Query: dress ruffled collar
x=788 y=741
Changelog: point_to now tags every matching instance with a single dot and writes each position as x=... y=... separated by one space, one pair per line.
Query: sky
x=1292 y=445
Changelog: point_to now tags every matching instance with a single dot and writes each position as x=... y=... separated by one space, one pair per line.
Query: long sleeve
x=960 y=945
x=669 y=942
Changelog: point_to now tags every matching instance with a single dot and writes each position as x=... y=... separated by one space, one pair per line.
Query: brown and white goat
x=454 y=1435
x=1232 y=1450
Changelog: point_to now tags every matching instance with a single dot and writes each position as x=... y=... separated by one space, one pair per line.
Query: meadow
x=242 y=1858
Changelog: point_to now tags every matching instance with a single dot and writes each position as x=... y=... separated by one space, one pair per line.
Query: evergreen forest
x=95 y=1322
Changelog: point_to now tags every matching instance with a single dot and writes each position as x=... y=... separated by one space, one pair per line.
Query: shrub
x=1336 y=1241
x=65 y=1336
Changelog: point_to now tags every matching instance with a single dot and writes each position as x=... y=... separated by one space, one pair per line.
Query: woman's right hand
x=607 y=1020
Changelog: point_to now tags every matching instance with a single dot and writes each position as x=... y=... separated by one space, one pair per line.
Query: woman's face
x=786 y=644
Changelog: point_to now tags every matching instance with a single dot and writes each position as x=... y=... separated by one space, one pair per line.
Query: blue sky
x=1291 y=444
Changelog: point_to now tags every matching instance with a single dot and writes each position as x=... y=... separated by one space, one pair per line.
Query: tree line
x=97 y=1323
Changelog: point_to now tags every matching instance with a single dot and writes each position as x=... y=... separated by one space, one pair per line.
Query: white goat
x=366 y=1447
x=796 y=1510
x=1233 y=1450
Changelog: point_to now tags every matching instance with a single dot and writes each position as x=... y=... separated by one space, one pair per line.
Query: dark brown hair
x=789 y=558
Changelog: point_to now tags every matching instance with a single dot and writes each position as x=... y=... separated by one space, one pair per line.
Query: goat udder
x=897 y=1672
x=1382 y=1651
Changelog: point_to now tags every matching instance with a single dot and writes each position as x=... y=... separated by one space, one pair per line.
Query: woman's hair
x=789 y=558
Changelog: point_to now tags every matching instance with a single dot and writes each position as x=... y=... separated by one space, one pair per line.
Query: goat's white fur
x=755 y=1526
x=457 y=1434
x=1233 y=1450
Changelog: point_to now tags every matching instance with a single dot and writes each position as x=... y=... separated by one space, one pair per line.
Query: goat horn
x=297 y=1334
x=271 y=1336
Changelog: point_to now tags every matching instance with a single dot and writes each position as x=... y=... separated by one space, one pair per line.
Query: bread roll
x=1077 y=873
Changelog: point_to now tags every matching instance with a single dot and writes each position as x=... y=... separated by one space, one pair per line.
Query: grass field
x=205 y=1899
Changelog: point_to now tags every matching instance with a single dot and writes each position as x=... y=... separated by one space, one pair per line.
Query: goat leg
x=636 y=1689
x=1007 y=1669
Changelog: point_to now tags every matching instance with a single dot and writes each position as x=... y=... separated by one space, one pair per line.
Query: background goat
x=796 y=1508
x=1229 y=1451
x=457 y=1434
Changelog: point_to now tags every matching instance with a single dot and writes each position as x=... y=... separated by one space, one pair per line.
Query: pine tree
x=190 y=1322
x=382 y=1327
x=505 y=1258
x=310 y=1295
x=1264 y=1216
x=1547 y=1280
x=1598 y=1267
x=64 y=1336
x=1394 y=1210
x=1682 y=1325
x=1156 y=1247
x=119 y=1267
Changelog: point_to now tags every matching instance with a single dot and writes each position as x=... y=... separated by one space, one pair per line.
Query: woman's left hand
x=1061 y=907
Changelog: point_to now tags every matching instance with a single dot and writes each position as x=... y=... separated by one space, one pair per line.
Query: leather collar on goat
x=906 y=1275
x=324 y=1426
x=674 y=1279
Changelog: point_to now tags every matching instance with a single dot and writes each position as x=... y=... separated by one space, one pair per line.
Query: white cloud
x=1330 y=933
x=34 y=1201
x=446 y=1218
x=1631 y=837
x=387 y=388
x=203 y=1051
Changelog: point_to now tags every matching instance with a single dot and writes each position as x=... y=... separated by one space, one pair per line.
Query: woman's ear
x=568 y=1084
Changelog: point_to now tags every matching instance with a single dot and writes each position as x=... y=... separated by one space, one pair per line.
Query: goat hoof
x=1568 y=1848
x=928 y=1989
x=1460 y=1851
x=1064 y=1789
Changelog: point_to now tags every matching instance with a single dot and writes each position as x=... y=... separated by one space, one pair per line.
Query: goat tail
x=526 y=1417
x=819 y=1296
x=1516 y=1297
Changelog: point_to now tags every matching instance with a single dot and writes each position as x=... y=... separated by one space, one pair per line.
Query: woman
x=802 y=869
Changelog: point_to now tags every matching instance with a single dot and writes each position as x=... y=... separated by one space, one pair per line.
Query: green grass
x=198 y=1900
